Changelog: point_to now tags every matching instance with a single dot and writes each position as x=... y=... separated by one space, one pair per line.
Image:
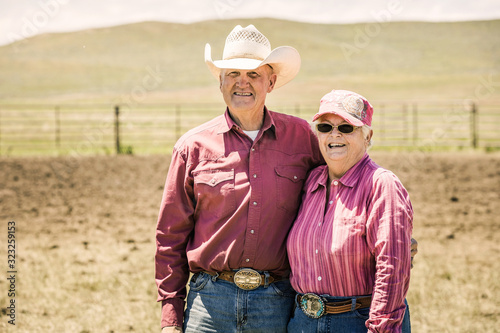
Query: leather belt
x=314 y=306
x=246 y=278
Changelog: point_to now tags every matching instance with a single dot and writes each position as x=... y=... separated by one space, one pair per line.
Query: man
x=231 y=194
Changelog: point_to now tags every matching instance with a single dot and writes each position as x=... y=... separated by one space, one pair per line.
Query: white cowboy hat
x=247 y=48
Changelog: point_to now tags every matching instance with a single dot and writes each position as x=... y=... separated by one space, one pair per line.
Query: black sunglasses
x=343 y=128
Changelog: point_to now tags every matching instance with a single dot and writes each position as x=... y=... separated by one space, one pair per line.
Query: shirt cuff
x=172 y=312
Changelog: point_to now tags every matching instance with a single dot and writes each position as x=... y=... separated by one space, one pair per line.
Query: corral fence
x=154 y=128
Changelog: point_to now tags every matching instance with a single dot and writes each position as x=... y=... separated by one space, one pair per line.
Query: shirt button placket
x=254 y=209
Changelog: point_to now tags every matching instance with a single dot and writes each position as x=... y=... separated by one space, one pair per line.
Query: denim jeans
x=215 y=305
x=348 y=322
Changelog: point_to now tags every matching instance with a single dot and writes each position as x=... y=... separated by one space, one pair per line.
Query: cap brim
x=285 y=61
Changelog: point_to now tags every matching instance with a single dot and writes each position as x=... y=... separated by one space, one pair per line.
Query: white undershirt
x=252 y=134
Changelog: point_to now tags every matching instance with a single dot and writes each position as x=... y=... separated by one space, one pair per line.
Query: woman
x=349 y=247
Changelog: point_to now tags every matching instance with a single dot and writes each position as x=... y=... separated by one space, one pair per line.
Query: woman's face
x=341 y=150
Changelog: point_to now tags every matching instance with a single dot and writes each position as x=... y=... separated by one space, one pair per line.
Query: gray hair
x=365 y=128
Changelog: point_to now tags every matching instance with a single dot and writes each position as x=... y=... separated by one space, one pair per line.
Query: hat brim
x=285 y=61
x=344 y=114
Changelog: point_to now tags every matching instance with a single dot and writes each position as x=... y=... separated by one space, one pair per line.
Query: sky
x=25 y=18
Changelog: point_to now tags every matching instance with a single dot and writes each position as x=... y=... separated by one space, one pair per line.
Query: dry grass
x=456 y=278
x=86 y=241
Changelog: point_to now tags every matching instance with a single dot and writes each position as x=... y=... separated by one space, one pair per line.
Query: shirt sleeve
x=389 y=228
x=175 y=223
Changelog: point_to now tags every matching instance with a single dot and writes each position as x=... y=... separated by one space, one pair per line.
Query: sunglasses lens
x=327 y=128
x=324 y=128
x=346 y=128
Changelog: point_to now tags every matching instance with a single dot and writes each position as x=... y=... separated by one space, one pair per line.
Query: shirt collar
x=227 y=125
x=350 y=178
x=321 y=178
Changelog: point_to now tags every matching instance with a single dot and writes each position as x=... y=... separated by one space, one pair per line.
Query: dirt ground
x=85 y=241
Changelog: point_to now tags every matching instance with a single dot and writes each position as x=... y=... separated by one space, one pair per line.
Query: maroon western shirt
x=229 y=202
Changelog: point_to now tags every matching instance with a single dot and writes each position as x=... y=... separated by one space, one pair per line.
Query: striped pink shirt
x=357 y=243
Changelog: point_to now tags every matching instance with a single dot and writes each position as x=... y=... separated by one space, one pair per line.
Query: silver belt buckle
x=247 y=279
x=312 y=305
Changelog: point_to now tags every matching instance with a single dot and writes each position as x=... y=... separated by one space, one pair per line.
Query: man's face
x=245 y=90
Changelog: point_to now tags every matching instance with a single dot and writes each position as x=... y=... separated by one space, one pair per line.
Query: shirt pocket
x=348 y=236
x=289 y=182
x=214 y=193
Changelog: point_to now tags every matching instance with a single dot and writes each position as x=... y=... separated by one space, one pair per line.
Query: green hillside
x=163 y=62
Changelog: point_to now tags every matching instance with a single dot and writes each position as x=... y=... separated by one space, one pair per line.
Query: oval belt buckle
x=312 y=305
x=247 y=279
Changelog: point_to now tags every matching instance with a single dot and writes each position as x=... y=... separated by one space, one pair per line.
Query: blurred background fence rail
x=89 y=129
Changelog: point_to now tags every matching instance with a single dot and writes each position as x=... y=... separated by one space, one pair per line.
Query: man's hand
x=171 y=329
x=414 y=249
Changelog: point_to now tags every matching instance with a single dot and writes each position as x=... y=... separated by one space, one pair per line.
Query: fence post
x=382 y=125
x=58 y=128
x=117 y=129
x=406 y=131
x=473 y=125
x=415 y=124
x=177 y=122
x=297 y=110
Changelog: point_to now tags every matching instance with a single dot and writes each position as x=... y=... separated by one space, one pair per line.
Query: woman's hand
x=171 y=329
x=414 y=249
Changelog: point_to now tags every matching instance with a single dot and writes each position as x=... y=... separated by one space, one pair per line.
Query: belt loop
x=266 y=283
x=353 y=303
x=214 y=277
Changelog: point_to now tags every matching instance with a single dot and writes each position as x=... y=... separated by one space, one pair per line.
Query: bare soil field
x=85 y=241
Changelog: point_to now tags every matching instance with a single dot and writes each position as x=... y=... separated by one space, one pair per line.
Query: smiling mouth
x=243 y=94
x=335 y=145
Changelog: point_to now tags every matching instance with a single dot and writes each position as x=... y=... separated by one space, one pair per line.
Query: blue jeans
x=220 y=306
x=348 y=322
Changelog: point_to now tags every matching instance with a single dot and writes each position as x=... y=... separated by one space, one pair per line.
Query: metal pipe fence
x=154 y=128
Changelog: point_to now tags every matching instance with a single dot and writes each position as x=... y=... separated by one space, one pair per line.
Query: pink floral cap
x=354 y=108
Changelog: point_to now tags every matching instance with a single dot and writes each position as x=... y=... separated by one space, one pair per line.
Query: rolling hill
x=163 y=62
